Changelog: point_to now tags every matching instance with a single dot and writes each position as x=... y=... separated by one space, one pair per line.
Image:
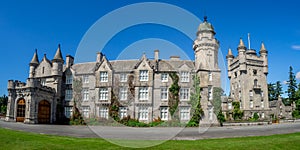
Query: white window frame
x=85 y=94
x=164 y=113
x=164 y=77
x=210 y=113
x=164 y=93
x=143 y=113
x=184 y=94
x=86 y=111
x=210 y=77
x=210 y=93
x=68 y=95
x=262 y=104
x=143 y=93
x=69 y=79
x=123 y=93
x=184 y=113
x=123 y=77
x=103 y=94
x=229 y=105
x=263 y=115
x=144 y=75
x=122 y=112
x=43 y=81
x=85 y=79
x=68 y=111
x=251 y=104
x=185 y=76
x=103 y=112
x=103 y=76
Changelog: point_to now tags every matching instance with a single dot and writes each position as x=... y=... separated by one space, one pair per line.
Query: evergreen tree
x=292 y=86
x=271 y=91
x=278 y=90
x=3 y=104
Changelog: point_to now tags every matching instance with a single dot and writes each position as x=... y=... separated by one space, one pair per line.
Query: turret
x=229 y=58
x=242 y=57
x=57 y=63
x=264 y=54
x=33 y=64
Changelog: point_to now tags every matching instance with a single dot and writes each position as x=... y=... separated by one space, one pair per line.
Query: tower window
x=254 y=72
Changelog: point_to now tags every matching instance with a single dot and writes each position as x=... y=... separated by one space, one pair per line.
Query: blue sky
x=29 y=25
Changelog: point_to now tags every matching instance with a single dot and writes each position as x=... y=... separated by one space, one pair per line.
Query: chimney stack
x=99 y=57
x=156 y=55
x=69 y=61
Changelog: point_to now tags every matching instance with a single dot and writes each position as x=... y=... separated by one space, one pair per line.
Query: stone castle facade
x=141 y=86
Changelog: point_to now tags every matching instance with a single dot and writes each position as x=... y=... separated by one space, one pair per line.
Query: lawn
x=10 y=139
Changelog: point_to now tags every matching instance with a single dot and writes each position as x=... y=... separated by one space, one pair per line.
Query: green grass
x=10 y=139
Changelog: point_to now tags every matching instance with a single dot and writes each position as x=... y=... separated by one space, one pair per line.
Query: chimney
x=174 y=58
x=69 y=61
x=156 y=55
x=99 y=57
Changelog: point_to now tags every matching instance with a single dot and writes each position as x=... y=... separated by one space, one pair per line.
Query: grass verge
x=10 y=139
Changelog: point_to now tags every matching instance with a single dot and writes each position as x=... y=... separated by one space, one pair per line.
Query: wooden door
x=21 y=106
x=44 y=112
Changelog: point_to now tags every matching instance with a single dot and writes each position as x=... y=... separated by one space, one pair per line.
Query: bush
x=296 y=114
x=255 y=116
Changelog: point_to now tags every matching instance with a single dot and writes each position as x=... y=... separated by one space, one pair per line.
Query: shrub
x=255 y=116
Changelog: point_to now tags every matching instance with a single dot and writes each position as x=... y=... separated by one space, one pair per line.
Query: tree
x=77 y=118
x=278 y=90
x=237 y=112
x=195 y=99
x=292 y=86
x=3 y=104
x=271 y=91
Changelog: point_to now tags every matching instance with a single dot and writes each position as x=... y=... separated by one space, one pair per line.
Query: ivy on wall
x=174 y=95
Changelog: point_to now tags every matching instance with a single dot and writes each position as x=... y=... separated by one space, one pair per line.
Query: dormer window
x=103 y=76
x=144 y=75
x=185 y=76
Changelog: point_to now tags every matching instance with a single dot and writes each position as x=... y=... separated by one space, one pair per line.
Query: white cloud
x=298 y=75
x=296 y=47
x=284 y=82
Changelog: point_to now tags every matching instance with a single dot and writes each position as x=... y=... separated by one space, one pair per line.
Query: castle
x=141 y=86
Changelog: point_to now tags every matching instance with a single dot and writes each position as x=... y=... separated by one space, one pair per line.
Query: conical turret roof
x=35 y=59
x=58 y=55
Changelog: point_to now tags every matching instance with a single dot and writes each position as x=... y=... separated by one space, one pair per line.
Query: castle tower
x=206 y=48
x=247 y=73
x=33 y=64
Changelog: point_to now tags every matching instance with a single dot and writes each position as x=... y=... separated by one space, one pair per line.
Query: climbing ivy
x=174 y=95
x=114 y=107
x=195 y=99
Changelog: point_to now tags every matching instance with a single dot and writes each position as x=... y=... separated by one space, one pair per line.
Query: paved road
x=154 y=133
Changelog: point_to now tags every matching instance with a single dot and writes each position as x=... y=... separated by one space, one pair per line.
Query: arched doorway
x=44 y=112
x=21 y=105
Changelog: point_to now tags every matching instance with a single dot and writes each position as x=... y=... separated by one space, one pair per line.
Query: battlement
x=15 y=84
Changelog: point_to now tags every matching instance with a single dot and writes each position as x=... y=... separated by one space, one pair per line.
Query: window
x=210 y=114
x=210 y=93
x=103 y=112
x=262 y=104
x=229 y=105
x=184 y=93
x=254 y=72
x=251 y=103
x=209 y=76
x=123 y=112
x=68 y=112
x=251 y=93
x=69 y=79
x=123 y=77
x=69 y=95
x=143 y=93
x=143 y=113
x=143 y=75
x=85 y=94
x=103 y=94
x=240 y=95
x=164 y=77
x=123 y=93
x=263 y=115
x=164 y=113
x=85 y=79
x=255 y=82
x=185 y=76
x=103 y=76
x=262 y=94
x=43 y=82
x=184 y=113
x=164 y=93
x=86 y=111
